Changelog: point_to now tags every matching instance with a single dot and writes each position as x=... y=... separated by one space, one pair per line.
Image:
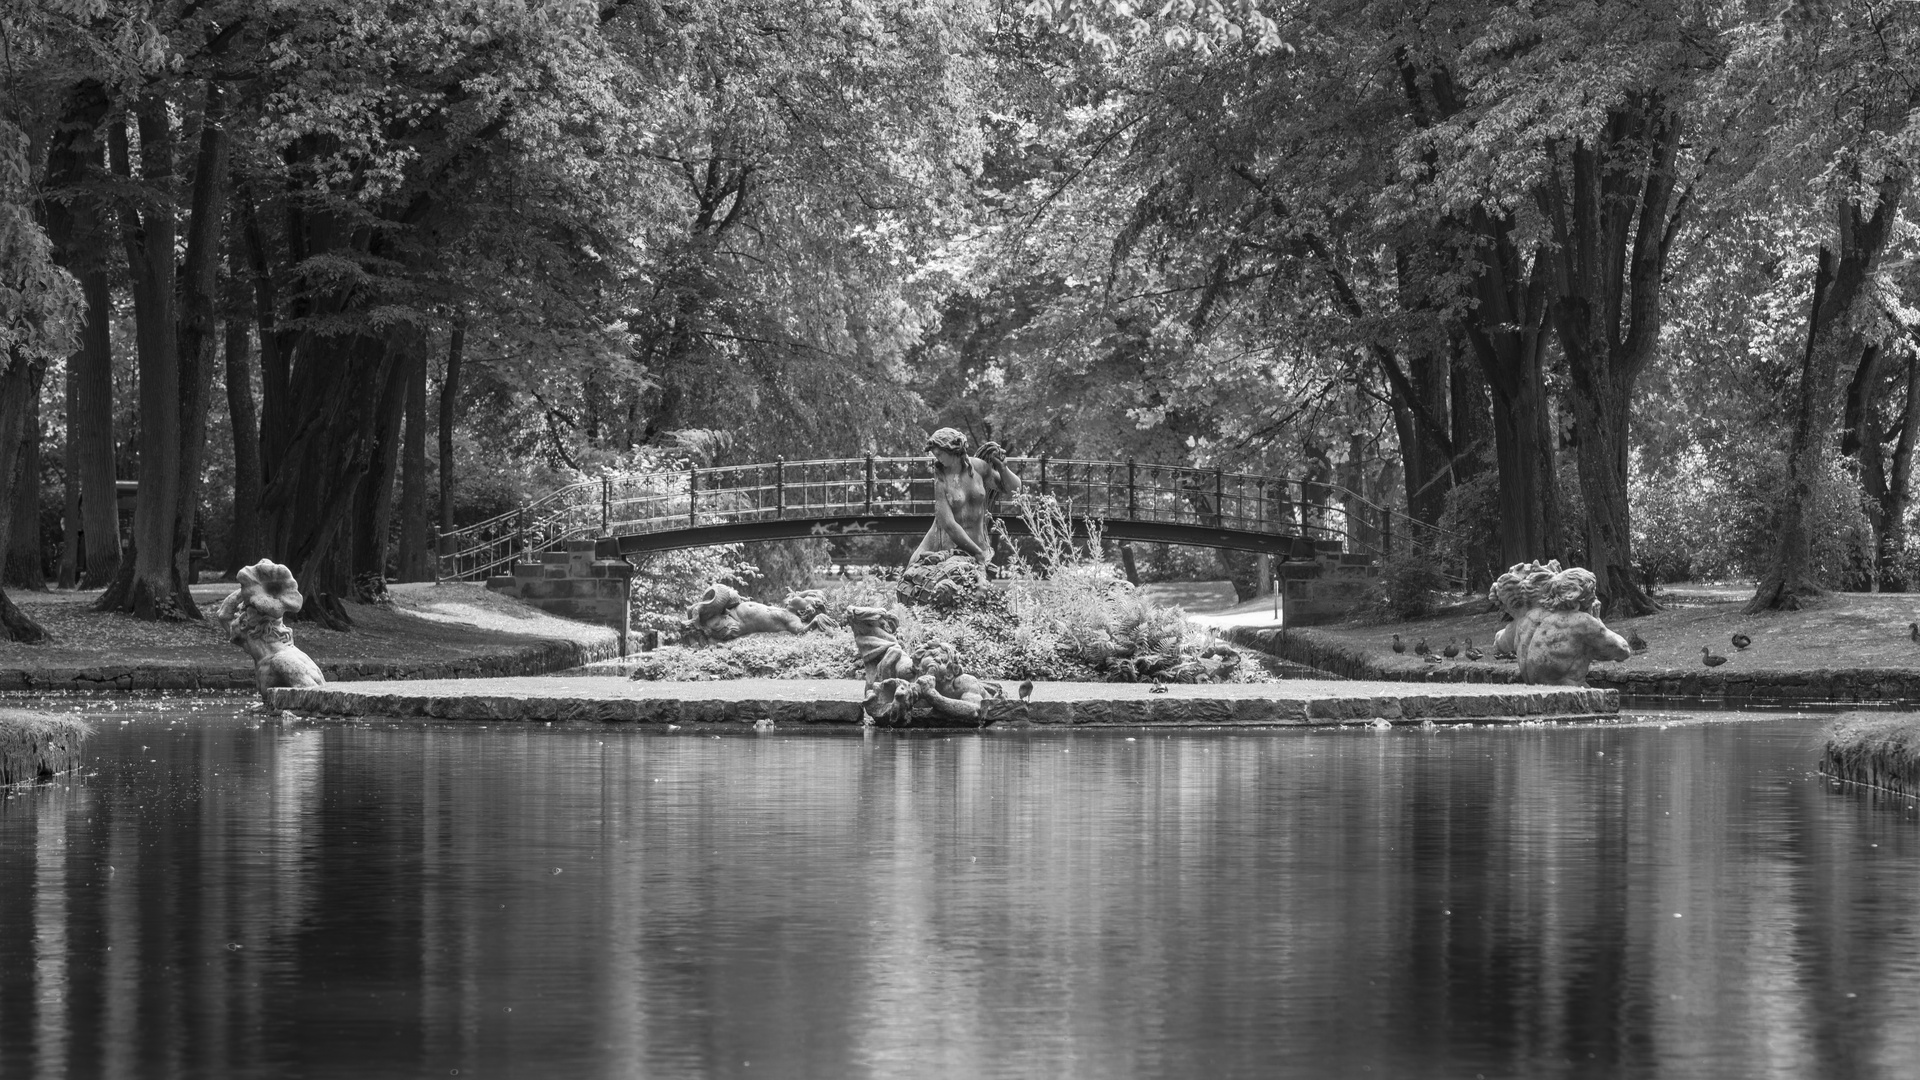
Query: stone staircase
x=574 y=585
x=1326 y=588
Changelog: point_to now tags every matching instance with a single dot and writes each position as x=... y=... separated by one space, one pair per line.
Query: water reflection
x=220 y=897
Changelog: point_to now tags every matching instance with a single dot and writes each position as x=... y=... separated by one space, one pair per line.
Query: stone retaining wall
x=1643 y=686
x=33 y=745
x=574 y=585
x=538 y=658
x=806 y=702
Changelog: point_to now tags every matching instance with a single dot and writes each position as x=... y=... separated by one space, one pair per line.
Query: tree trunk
x=308 y=496
x=1899 y=491
x=25 y=565
x=81 y=232
x=16 y=394
x=90 y=428
x=1860 y=437
x=245 y=548
x=416 y=552
x=150 y=587
x=1607 y=200
x=1473 y=439
x=276 y=421
x=1789 y=582
x=373 y=500
x=449 y=404
x=1832 y=344
x=1505 y=328
x=68 y=573
x=199 y=325
x=415 y=537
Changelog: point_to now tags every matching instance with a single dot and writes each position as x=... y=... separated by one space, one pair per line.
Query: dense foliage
x=1062 y=613
x=1628 y=285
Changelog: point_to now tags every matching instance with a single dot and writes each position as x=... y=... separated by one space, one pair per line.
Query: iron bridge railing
x=624 y=504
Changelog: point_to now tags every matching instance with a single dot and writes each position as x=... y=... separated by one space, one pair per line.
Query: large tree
x=39 y=313
x=1852 y=124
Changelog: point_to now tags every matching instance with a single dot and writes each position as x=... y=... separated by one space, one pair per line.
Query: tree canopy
x=1545 y=277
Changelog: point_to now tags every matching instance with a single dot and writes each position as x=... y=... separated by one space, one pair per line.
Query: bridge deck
x=634 y=513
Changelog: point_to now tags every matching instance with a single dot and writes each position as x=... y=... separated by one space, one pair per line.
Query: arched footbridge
x=638 y=513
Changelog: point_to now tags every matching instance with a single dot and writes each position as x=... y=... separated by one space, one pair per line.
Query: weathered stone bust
x=255 y=617
x=1556 y=632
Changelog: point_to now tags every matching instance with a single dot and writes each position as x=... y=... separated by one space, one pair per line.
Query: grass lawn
x=426 y=622
x=1847 y=631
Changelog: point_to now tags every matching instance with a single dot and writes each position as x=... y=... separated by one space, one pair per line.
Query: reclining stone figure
x=896 y=682
x=722 y=614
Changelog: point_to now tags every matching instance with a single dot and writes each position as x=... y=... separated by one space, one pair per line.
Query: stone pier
x=574 y=585
x=830 y=702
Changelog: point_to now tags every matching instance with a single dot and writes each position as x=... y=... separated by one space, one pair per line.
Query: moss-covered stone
x=34 y=745
x=1878 y=749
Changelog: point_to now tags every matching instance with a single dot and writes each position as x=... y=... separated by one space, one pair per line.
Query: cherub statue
x=884 y=663
x=1519 y=592
x=896 y=682
x=722 y=614
x=255 y=617
x=1568 y=635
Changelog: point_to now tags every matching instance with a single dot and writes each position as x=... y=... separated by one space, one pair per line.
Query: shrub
x=1065 y=615
x=1409 y=586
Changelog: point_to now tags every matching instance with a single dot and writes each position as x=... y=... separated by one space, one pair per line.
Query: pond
x=222 y=895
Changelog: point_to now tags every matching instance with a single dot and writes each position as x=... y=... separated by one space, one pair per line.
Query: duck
x=1708 y=657
x=1450 y=650
x=1635 y=641
x=1913 y=632
x=1422 y=647
x=1741 y=641
x=1026 y=689
x=1433 y=658
x=1472 y=653
x=1159 y=685
x=1398 y=645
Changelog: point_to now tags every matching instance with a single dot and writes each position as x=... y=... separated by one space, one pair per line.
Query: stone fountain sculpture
x=255 y=617
x=896 y=682
x=722 y=614
x=1556 y=632
x=950 y=563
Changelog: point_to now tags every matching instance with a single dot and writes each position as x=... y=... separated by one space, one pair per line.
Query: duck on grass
x=1059 y=613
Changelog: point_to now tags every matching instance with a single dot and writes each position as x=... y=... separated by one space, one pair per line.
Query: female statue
x=964 y=488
